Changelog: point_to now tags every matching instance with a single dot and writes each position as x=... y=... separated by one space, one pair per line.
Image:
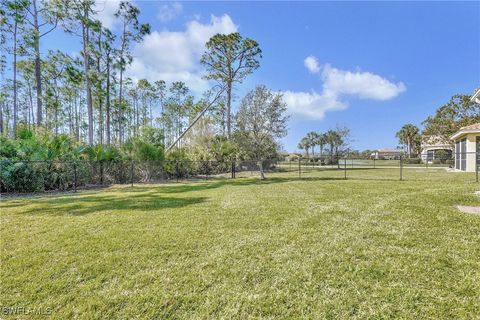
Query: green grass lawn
x=317 y=247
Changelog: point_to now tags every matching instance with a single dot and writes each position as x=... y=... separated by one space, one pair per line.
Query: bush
x=137 y=149
x=331 y=161
x=7 y=148
x=22 y=176
x=412 y=161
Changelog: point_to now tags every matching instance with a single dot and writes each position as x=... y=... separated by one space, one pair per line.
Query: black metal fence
x=39 y=176
x=42 y=176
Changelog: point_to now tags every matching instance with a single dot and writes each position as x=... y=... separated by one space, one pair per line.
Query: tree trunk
x=108 y=99
x=86 y=64
x=99 y=93
x=1 y=119
x=70 y=119
x=56 y=119
x=15 y=103
x=77 y=120
x=30 y=108
x=135 y=116
x=229 y=100
x=120 y=94
x=38 y=74
x=120 y=111
x=151 y=114
x=262 y=173
x=409 y=146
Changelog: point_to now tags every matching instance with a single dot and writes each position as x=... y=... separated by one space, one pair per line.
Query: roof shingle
x=474 y=126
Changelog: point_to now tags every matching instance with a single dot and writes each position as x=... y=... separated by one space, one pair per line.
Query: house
x=467 y=146
x=434 y=147
x=386 y=153
x=291 y=156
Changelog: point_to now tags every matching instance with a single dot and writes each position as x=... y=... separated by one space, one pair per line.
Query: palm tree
x=304 y=144
x=312 y=138
x=408 y=136
x=321 y=142
x=334 y=140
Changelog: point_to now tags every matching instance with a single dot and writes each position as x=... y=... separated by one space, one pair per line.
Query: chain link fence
x=44 y=176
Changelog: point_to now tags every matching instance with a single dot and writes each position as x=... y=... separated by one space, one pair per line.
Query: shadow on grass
x=148 y=197
x=83 y=204
x=243 y=182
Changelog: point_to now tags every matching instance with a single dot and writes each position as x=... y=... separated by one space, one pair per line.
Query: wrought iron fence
x=42 y=176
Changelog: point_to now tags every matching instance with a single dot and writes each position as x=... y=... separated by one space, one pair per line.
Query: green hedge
x=412 y=161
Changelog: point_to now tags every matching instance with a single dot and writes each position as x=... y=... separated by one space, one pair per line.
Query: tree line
x=458 y=112
x=332 y=142
x=85 y=95
x=88 y=96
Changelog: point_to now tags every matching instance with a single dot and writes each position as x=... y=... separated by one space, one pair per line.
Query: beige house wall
x=471 y=149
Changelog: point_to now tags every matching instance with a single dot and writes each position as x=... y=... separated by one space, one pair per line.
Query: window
x=461 y=154
x=430 y=155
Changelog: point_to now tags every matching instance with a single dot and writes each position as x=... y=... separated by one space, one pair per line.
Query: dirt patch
x=467 y=209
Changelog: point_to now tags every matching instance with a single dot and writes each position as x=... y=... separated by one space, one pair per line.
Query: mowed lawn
x=316 y=247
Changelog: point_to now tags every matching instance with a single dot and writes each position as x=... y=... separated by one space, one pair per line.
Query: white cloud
x=175 y=55
x=337 y=85
x=106 y=12
x=311 y=63
x=311 y=104
x=170 y=11
x=365 y=85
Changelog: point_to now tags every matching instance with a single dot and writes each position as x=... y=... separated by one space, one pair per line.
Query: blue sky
x=374 y=66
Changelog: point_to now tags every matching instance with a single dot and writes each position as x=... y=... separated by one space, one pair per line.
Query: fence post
x=101 y=173
x=131 y=173
x=299 y=168
x=233 y=169
x=120 y=174
x=176 y=169
x=75 y=177
x=345 y=168
x=401 y=168
x=373 y=163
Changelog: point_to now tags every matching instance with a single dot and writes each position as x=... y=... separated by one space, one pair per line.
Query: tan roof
x=471 y=127
x=387 y=150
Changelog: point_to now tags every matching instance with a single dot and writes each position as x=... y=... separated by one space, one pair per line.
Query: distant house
x=386 y=153
x=432 y=146
x=467 y=146
x=291 y=156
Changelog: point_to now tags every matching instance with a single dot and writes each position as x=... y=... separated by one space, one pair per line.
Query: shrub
x=412 y=161
x=137 y=149
x=23 y=176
